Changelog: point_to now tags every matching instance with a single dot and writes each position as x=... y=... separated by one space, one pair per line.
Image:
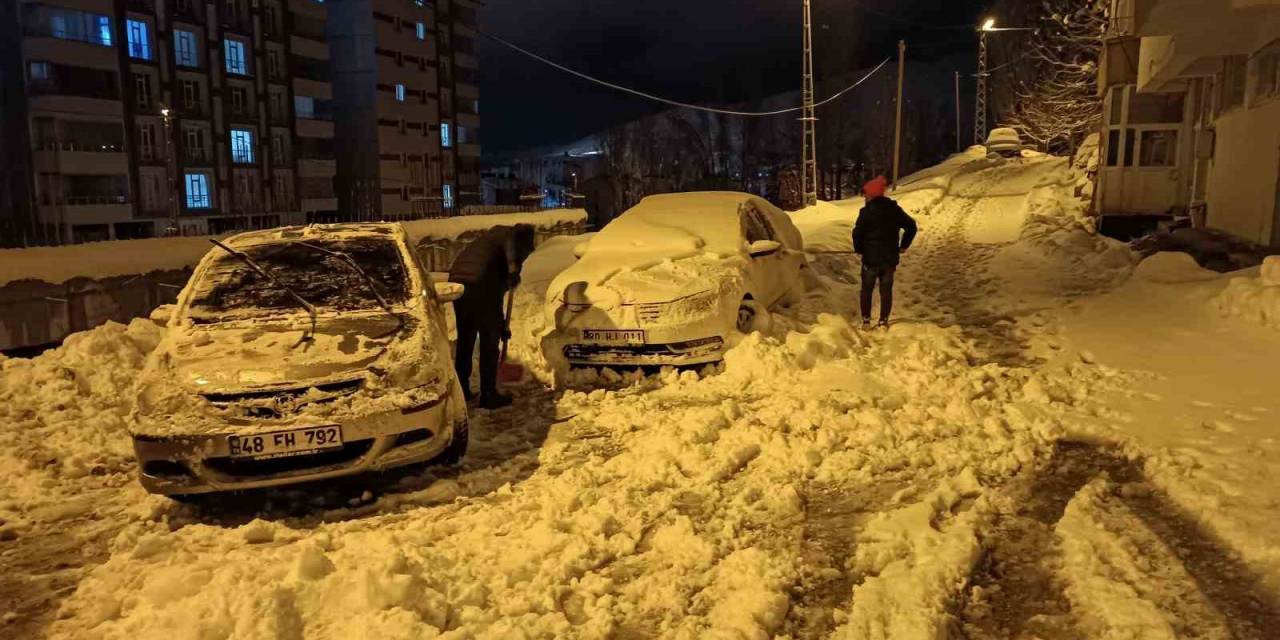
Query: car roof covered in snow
x=708 y=221
x=391 y=230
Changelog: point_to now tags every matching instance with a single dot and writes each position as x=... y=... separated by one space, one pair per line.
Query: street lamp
x=980 y=110
x=172 y=165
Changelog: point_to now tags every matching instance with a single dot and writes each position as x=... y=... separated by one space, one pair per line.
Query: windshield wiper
x=302 y=302
x=368 y=280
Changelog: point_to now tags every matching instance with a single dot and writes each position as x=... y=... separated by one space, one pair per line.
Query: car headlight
x=698 y=305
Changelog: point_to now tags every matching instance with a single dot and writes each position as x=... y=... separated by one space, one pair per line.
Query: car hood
x=228 y=358
x=654 y=281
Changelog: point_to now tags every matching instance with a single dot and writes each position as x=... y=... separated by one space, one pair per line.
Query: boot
x=494 y=400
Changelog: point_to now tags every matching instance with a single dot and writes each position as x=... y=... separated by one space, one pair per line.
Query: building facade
x=141 y=118
x=406 y=80
x=1191 y=124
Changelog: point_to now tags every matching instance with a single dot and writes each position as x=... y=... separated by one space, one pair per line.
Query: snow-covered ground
x=1041 y=446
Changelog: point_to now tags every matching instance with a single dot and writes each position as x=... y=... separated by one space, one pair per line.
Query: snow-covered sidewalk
x=994 y=463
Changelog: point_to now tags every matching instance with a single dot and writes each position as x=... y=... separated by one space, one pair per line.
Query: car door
x=768 y=270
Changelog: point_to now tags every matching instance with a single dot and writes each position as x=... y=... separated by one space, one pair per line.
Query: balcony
x=197 y=156
x=75 y=159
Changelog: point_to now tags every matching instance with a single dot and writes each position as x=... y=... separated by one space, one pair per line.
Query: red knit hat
x=875 y=187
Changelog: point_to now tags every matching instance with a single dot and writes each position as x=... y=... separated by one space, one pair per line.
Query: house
x=1191 y=117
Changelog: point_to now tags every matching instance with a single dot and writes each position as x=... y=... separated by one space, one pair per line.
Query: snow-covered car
x=299 y=354
x=670 y=280
x=1004 y=141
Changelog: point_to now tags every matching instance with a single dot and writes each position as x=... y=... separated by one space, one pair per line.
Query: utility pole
x=897 y=132
x=809 y=150
x=172 y=164
x=958 y=148
x=980 y=108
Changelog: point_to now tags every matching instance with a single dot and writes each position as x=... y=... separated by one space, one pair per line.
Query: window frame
x=241 y=144
x=235 y=57
x=201 y=198
x=139 y=48
x=186 y=47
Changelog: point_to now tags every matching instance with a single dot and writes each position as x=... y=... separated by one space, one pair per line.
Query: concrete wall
x=1242 y=187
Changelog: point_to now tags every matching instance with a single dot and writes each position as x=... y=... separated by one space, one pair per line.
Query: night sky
x=692 y=50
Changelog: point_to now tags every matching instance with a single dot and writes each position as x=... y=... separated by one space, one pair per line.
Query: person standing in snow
x=488 y=268
x=876 y=237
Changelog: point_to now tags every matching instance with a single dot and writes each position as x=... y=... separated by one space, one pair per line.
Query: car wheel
x=457 y=448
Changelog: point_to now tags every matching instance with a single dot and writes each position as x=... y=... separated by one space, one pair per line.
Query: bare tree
x=1056 y=102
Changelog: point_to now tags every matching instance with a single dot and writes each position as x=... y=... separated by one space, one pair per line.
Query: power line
x=676 y=103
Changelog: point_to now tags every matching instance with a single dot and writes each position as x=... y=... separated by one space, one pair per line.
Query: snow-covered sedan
x=299 y=354
x=672 y=279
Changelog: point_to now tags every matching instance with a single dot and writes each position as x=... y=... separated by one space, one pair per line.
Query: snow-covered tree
x=1051 y=91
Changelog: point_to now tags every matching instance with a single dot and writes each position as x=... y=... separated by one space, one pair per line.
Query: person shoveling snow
x=876 y=239
x=488 y=267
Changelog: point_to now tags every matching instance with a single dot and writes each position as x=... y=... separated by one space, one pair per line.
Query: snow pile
x=63 y=414
x=1171 y=267
x=1256 y=299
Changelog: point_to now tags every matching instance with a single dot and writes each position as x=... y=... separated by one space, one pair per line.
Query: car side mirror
x=763 y=248
x=162 y=314
x=448 y=291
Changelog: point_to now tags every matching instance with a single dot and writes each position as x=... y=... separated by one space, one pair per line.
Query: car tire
x=457 y=448
x=751 y=317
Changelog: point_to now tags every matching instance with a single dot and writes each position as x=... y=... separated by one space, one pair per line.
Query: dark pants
x=870 y=274
x=480 y=315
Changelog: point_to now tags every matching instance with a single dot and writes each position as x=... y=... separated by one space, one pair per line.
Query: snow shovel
x=508 y=372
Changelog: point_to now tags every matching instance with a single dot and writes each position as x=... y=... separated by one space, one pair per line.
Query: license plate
x=613 y=336
x=282 y=444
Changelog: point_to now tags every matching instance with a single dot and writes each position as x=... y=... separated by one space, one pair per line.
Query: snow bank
x=62 y=414
x=1254 y=298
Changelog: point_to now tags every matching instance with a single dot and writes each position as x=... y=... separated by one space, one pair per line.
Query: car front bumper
x=193 y=464
x=691 y=352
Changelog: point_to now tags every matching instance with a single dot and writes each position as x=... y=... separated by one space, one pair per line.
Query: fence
x=35 y=313
x=438 y=254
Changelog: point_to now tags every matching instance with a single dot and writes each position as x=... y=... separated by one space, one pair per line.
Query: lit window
x=139 y=42
x=39 y=70
x=104 y=30
x=234 y=51
x=448 y=196
x=197 y=191
x=422 y=31
x=184 y=48
x=400 y=92
x=304 y=106
x=446 y=135
x=242 y=146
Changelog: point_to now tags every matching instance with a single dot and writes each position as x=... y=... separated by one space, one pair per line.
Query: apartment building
x=1191 y=122
x=141 y=118
x=406 y=106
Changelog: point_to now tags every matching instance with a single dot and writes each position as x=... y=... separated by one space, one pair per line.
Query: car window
x=229 y=289
x=756 y=225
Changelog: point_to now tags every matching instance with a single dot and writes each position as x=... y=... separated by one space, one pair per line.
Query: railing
x=82 y=147
x=95 y=199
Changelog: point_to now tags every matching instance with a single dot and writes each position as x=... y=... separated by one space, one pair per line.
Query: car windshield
x=231 y=289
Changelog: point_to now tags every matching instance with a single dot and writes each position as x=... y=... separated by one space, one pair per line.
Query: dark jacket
x=875 y=236
x=492 y=258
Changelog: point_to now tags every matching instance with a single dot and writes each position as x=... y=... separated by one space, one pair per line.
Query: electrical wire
x=677 y=103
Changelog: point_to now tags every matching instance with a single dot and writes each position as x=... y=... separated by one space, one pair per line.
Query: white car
x=299 y=354
x=1004 y=141
x=670 y=280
